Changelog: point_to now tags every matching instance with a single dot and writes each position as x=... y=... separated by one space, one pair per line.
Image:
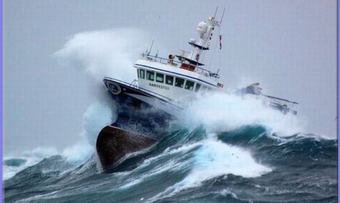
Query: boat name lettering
x=159 y=86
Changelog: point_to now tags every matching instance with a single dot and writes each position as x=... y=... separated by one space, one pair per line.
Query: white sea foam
x=216 y=158
x=97 y=116
x=224 y=112
x=213 y=159
x=78 y=153
x=169 y=165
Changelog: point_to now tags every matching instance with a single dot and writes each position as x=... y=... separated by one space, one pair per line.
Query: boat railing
x=160 y=59
x=176 y=63
x=207 y=73
x=277 y=99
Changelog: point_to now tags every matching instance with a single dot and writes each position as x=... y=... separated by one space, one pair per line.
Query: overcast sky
x=288 y=46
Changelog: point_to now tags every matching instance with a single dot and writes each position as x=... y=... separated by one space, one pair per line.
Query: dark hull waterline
x=114 y=143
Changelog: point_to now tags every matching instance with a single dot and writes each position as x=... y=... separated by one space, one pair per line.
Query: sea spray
x=99 y=54
x=220 y=111
x=97 y=116
x=105 y=53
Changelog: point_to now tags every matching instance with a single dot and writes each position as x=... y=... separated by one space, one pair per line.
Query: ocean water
x=246 y=164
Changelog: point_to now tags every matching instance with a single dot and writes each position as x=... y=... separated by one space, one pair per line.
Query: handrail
x=176 y=62
x=160 y=59
x=277 y=98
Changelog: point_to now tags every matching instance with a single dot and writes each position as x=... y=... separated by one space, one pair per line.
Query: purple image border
x=1 y=91
x=1 y=103
x=338 y=92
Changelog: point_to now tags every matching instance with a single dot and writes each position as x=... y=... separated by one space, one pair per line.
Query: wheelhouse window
x=197 y=87
x=150 y=75
x=160 y=77
x=179 y=82
x=189 y=85
x=169 y=80
x=141 y=73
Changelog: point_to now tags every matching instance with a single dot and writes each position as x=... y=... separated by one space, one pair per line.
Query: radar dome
x=202 y=27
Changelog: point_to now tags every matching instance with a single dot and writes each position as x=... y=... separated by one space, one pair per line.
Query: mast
x=205 y=31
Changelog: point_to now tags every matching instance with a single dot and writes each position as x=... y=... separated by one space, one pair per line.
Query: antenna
x=216 y=11
x=222 y=16
x=150 y=47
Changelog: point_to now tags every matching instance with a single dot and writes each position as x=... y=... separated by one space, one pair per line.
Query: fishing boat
x=165 y=85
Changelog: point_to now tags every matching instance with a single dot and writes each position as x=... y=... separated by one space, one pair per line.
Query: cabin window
x=141 y=73
x=169 y=80
x=179 y=82
x=150 y=75
x=198 y=86
x=159 y=77
x=189 y=85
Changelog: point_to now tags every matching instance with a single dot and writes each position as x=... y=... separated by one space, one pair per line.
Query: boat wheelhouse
x=180 y=77
x=170 y=83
